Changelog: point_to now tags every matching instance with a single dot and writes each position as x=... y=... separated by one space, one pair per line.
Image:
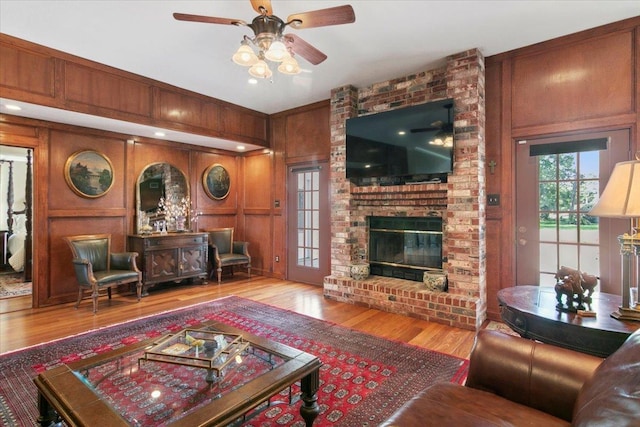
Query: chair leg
x=139 y=290
x=79 y=297
x=219 y=275
x=94 y=297
x=249 y=270
x=109 y=292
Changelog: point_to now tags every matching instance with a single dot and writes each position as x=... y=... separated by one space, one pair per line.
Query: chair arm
x=241 y=248
x=124 y=261
x=84 y=271
x=215 y=253
x=541 y=376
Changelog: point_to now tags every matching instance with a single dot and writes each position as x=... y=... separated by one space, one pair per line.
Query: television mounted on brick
x=397 y=146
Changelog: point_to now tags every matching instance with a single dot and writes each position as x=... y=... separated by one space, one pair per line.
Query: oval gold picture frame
x=89 y=173
x=216 y=182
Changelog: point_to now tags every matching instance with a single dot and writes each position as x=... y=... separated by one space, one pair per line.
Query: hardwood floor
x=29 y=326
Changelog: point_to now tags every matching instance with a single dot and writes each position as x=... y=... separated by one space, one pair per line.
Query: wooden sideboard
x=170 y=257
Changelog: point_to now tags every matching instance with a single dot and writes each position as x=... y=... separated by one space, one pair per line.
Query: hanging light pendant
x=276 y=52
x=245 y=56
x=289 y=65
x=260 y=70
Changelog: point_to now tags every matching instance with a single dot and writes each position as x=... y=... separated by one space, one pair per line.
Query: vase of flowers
x=176 y=212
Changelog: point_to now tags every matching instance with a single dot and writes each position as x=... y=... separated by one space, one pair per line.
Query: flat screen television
x=397 y=146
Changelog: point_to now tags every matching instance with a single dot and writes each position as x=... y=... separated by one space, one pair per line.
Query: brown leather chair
x=225 y=252
x=97 y=268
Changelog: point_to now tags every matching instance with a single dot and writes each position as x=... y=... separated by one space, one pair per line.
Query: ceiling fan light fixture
x=276 y=52
x=245 y=56
x=260 y=70
x=289 y=66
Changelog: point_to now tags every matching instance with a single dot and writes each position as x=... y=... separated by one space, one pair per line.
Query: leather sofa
x=514 y=381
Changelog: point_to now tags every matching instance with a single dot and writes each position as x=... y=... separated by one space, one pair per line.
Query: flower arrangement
x=176 y=211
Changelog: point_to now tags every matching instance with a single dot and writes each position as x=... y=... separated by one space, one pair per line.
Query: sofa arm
x=541 y=376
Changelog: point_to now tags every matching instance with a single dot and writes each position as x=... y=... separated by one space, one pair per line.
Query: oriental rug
x=363 y=380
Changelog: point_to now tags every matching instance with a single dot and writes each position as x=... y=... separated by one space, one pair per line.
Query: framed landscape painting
x=216 y=182
x=89 y=173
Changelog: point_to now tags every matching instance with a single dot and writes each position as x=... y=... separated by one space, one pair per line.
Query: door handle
x=522 y=242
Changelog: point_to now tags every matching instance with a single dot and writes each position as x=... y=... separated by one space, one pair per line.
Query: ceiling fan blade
x=323 y=17
x=259 y=5
x=207 y=19
x=418 y=130
x=304 y=49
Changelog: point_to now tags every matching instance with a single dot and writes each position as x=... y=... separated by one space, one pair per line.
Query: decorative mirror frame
x=95 y=162
x=143 y=219
x=216 y=182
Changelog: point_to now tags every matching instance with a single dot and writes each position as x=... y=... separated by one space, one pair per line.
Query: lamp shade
x=621 y=196
x=276 y=52
x=260 y=70
x=289 y=66
x=244 y=56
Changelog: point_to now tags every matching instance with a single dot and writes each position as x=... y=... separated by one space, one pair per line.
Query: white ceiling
x=389 y=39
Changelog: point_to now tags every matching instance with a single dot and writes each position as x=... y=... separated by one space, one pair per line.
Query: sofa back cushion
x=612 y=396
x=541 y=376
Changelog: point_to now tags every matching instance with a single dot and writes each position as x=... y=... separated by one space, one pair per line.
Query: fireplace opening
x=405 y=248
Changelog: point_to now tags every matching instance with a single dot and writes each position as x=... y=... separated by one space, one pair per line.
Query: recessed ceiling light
x=12 y=107
x=240 y=147
x=160 y=134
x=253 y=81
x=401 y=132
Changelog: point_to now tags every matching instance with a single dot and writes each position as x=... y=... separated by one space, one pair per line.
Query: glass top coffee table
x=211 y=375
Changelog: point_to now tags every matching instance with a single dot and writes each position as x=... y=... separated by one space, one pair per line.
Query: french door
x=558 y=180
x=308 y=225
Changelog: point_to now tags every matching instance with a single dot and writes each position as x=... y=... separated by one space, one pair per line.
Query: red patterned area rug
x=364 y=378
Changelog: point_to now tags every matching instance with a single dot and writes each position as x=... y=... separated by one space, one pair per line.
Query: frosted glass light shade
x=289 y=66
x=276 y=52
x=260 y=70
x=244 y=56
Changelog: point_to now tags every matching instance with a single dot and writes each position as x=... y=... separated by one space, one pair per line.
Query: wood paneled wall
x=256 y=205
x=586 y=81
x=41 y=75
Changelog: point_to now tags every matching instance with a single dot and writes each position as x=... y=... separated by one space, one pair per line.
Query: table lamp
x=621 y=199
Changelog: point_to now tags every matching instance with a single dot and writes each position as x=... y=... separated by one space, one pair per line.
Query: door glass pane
x=308 y=219
x=568 y=185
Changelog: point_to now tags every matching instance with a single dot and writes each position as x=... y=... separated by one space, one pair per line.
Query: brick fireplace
x=460 y=202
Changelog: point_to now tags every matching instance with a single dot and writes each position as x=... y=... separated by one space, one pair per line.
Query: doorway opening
x=16 y=286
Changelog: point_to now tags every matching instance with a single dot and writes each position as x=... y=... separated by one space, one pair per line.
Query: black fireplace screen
x=405 y=247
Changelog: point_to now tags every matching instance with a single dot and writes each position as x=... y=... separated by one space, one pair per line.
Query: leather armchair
x=225 y=252
x=514 y=381
x=96 y=268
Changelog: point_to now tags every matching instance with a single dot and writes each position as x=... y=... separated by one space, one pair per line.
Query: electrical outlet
x=277 y=258
x=493 y=200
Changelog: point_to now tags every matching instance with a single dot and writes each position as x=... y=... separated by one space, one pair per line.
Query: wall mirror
x=161 y=180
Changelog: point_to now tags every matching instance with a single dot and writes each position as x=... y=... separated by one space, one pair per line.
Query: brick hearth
x=460 y=202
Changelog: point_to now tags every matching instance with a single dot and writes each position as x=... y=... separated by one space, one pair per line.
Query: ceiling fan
x=444 y=136
x=269 y=39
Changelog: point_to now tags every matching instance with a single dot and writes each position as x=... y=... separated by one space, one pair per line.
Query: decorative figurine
x=573 y=284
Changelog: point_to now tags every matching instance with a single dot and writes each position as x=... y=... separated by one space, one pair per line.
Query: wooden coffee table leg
x=48 y=415
x=309 y=387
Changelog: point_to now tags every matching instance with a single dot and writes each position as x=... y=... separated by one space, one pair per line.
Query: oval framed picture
x=216 y=182
x=89 y=173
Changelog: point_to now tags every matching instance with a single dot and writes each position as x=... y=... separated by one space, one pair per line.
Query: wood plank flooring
x=26 y=327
